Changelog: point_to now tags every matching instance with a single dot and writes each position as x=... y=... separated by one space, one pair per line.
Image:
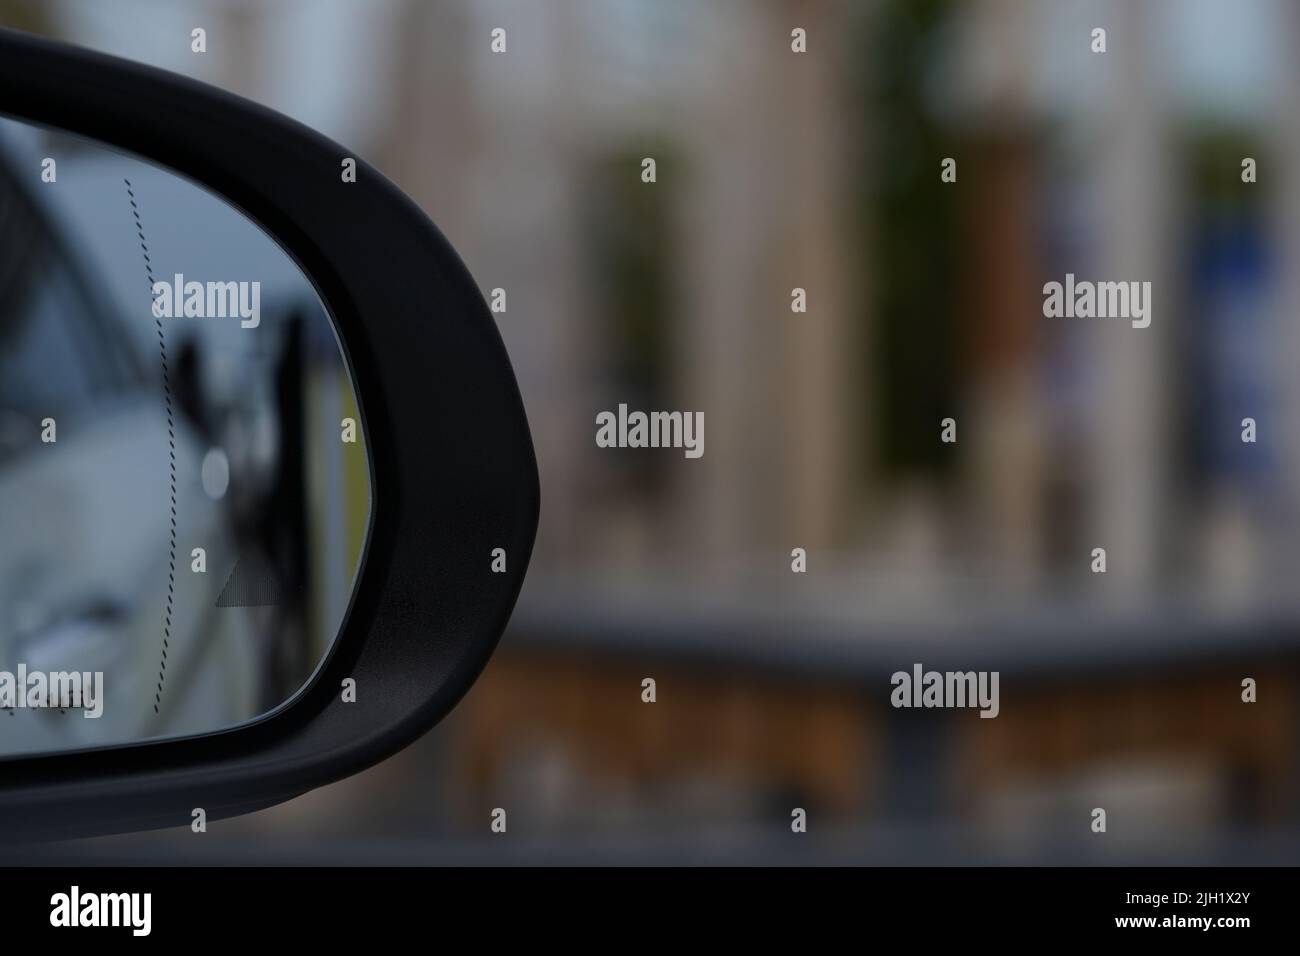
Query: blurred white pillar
x=1131 y=425
x=729 y=299
x=810 y=394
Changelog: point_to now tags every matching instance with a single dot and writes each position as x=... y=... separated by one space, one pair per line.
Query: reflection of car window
x=52 y=356
x=40 y=369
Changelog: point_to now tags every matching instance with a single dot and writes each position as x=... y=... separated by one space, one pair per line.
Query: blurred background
x=820 y=170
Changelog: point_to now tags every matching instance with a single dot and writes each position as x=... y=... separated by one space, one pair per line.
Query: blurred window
x=631 y=254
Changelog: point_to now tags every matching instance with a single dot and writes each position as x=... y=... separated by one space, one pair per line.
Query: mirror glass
x=184 y=488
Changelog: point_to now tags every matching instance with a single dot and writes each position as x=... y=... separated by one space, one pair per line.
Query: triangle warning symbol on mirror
x=252 y=583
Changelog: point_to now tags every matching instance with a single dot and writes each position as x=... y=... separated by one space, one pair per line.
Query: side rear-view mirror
x=267 y=488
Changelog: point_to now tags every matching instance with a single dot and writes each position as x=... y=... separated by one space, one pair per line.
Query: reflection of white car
x=86 y=540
